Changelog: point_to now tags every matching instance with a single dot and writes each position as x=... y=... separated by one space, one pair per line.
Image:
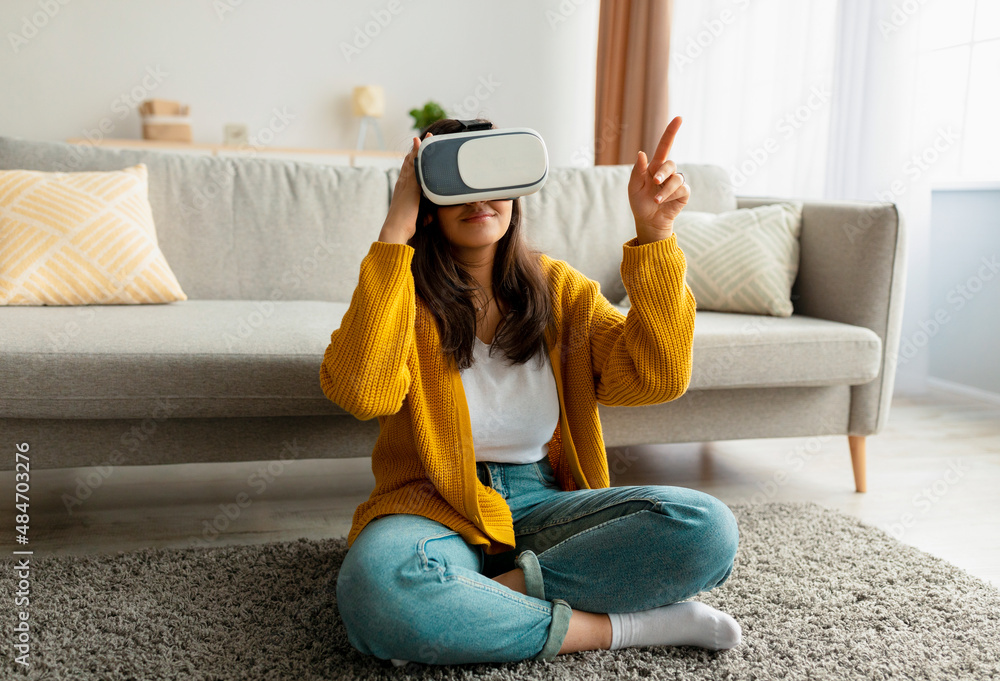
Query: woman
x=492 y=533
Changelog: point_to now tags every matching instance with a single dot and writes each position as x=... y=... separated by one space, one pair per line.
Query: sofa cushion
x=242 y=227
x=753 y=351
x=80 y=239
x=196 y=358
x=209 y=358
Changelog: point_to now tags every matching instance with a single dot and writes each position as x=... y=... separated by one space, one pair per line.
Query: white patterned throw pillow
x=742 y=260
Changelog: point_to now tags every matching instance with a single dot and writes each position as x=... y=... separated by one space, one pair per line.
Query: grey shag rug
x=819 y=595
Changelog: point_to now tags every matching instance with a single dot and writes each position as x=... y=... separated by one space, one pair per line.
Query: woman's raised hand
x=656 y=191
x=401 y=221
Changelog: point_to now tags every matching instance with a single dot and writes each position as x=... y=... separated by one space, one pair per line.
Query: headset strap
x=469 y=125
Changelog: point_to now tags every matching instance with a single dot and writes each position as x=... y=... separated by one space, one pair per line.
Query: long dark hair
x=519 y=286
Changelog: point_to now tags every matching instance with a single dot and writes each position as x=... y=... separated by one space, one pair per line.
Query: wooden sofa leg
x=857 y=444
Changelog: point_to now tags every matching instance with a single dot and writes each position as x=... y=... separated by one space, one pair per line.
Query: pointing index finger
x=666 y=141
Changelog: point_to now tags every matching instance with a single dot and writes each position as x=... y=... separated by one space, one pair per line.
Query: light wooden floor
x=933 y=481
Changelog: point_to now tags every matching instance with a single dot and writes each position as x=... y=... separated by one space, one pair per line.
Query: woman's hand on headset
x=401 y=222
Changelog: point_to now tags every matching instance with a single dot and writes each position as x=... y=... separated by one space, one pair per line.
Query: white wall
x=520 y=63
x=964 y=286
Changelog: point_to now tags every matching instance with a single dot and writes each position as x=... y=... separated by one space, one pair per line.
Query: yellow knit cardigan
x=385 y=361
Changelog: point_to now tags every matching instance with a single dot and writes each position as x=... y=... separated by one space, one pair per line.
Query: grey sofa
x=268 y=252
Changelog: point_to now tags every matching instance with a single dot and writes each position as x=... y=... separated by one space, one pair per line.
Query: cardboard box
x=162 y=107
x=168 y=132
x=165 y=120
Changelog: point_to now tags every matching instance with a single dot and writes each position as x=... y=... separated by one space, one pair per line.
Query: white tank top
x=514 y=409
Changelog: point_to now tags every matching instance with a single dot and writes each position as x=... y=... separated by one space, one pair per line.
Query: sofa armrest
x=852 y=269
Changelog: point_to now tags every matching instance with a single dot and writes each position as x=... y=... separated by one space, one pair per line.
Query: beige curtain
x=633 y=54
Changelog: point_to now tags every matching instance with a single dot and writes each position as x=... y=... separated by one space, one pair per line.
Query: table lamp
x=369 y=103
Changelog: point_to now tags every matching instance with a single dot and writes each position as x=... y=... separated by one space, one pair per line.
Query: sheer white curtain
x=912 y=102
x=917 y=107
x=753 y=80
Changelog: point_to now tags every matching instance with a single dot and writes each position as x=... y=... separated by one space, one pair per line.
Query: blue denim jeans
x=412 y=589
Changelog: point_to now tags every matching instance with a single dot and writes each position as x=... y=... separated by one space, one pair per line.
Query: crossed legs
x=410 y=588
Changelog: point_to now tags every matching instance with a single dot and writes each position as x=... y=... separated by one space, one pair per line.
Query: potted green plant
x=422 y=118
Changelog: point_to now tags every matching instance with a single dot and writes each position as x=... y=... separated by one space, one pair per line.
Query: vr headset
x=480 y=164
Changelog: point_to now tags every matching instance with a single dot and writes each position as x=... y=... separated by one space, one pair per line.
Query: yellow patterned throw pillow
x=81 y=238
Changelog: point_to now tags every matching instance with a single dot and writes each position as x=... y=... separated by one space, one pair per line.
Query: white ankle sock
x=690 y=623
